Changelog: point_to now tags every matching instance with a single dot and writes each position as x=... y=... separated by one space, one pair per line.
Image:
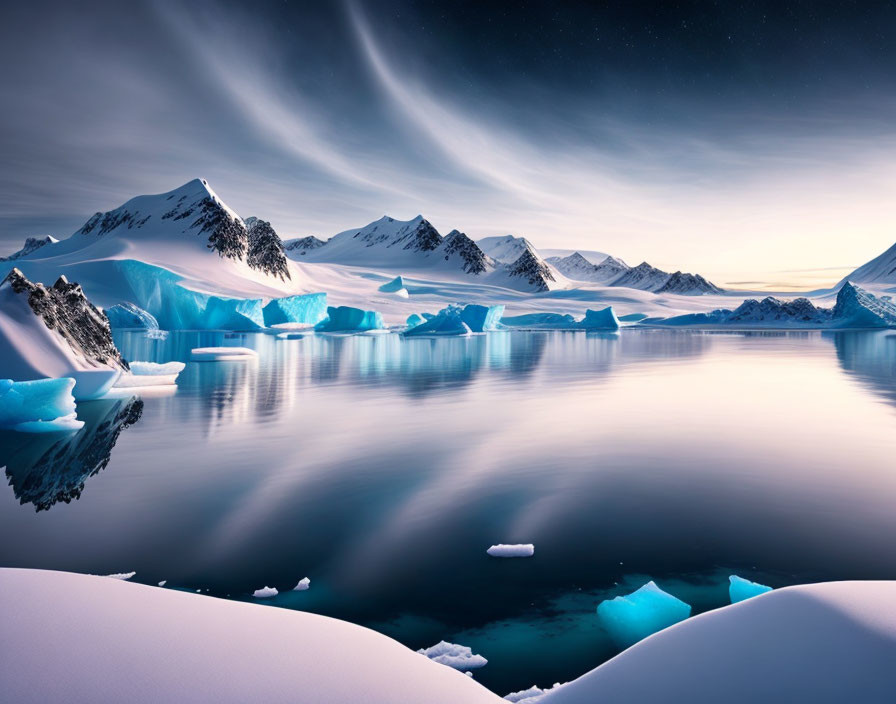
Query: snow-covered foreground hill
x=69 y=637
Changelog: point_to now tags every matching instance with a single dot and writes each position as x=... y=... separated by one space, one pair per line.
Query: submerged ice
x=634 y=616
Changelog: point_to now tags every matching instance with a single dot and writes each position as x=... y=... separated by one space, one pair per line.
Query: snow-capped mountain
x=687 y=284
x=644 y=276
x=770 y=309
x=880 y=270
x=32 y=244
x=858 y=308
x=299 y=246
x=51 y=331
x=530 y=268
x=506 y=249
x=473 y=260
x=577 y=267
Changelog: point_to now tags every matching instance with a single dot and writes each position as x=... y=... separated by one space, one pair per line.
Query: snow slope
x=833 y=642
x=80 y=638
x=880 y=270
x=506 y=249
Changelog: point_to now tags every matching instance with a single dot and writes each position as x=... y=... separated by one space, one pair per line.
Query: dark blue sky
x=734 y=138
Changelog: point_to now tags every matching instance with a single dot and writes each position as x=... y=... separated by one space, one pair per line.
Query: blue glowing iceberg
x=348 y=319
x=414 y=320
x=449 y=321
x=310 y=308
x=635 y=616
x=38 y=406
x=604 y=319
x=129 y=316
x=233 y=314
x=482 y=318
x=540 y=321
x=740 y=589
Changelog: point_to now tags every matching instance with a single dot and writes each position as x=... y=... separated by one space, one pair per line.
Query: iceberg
x=455 y=656
x=222 y=354
x=414 y=320
x=544 y=321
x=604 y=319
x=123 y=576
x=44 y=405
x=857 y=308
x=129 y=316
x=518 y=550
x=393 y=286
x=233 y=314
x=310 y=309
x=303 y=585
x=449 y=321
x=265 y=593
x=150 y=374
x=740 y=589
x=348 y=319
x=482 y=318
x=637 y=615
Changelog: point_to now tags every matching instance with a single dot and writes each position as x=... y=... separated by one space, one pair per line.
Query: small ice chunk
x=219 y=354
x=740 y=589
x=120 y=575
x=163 y=582
x=393 y=286
x=150 y=374
x=516 y=550
x=303 y=584
x=43 y=405
x=468 y=673
x=265 y=593
x=154 y=369
x=637 y=615
x=456 y=656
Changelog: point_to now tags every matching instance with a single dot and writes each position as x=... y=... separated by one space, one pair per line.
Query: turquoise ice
x=127 y=315
x=637 y=615
x=392 y=286
x=348 y=319
x=38 y=406
x=740 y=589
x=310 y=308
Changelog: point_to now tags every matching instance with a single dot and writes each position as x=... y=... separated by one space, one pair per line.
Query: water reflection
x=870 y=357
x=46 y=470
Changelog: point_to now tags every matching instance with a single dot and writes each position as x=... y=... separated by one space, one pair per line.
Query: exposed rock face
x=302 y=245
x=856 y=306
x=424 y=238
x=474 y=260
x=688 y=284
x=531 y=269
x=227 y=236
x=644 y=276
x=32 y=244
x=266 y=249
x=65 y=309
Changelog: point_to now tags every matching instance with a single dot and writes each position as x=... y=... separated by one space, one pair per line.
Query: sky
x=754 y=143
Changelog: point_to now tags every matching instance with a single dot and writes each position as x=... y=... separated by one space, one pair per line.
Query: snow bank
x=116 y=641
x=637 y=615
x=740 y=589
x=832 y=642
x=221 y=354
x=348 y=319
x=518 y=550
x=44 y=405
x=458 y=657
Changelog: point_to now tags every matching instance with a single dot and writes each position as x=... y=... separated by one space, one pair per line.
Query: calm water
x=383 y=468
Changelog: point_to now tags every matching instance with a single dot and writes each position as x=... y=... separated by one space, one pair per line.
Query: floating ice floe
x=637 y=615
x=265 y=593
x=150 y=374
x=303 y=585
x=43 y=405
x=348 y=319
x=740 y=589
x=455 y=656
x=222 y=354
x=516 y=550
x=120 y=575
x=163 y=582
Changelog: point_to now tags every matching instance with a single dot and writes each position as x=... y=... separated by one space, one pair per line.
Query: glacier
x=43 y=405
x=129 y=316
x=740 y=589
x=233 y=314
x=635 y=616
x=348 y=319
x=310 y=308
